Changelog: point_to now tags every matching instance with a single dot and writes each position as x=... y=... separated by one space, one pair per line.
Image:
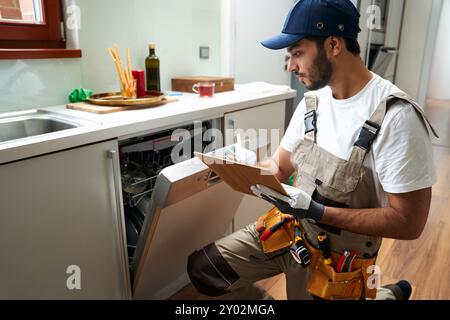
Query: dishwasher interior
x=141 y=161
x=165 y=203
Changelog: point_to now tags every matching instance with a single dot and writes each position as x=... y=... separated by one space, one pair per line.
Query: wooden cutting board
x=87 y=107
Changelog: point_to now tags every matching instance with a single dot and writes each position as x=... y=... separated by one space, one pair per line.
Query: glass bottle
x=152 y=70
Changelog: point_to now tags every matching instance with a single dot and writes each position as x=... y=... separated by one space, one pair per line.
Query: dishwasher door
x=189 y=209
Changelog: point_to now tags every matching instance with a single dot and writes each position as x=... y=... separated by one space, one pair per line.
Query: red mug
x=204 y=89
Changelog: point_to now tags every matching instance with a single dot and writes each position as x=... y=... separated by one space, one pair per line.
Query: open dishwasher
x=171 y=209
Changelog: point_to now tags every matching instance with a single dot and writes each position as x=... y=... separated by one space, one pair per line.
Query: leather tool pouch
x=282 y=238
x=326 y=283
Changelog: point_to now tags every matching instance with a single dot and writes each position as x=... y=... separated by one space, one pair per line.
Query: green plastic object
x=79 y=95
x=291 y=181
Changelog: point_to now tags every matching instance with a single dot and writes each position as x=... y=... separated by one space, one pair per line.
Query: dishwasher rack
x=140 y=182
x=149 y=156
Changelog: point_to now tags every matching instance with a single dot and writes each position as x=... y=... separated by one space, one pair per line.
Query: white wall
x=439 y=85
x=254 y=21
x=177 y=27
x=28 y=84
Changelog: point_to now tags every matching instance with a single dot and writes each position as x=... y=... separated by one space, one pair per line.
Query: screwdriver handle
x=268 y=232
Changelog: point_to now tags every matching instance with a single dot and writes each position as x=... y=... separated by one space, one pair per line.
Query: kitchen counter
x=187 y=109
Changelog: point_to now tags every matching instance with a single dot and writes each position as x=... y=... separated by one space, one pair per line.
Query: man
x=362 y=155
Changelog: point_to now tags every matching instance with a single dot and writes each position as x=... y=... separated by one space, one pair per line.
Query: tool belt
x=283 y=237
x=325 y=282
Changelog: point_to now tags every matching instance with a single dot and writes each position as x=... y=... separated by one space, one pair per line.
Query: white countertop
x=187 y=109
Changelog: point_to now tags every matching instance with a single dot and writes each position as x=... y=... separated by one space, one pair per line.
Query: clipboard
x=240 y=176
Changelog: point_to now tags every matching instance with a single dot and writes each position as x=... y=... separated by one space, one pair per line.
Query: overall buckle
x=368 y=134
x=311 y=122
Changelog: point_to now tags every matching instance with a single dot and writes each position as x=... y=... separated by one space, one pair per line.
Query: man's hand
x=298 y=204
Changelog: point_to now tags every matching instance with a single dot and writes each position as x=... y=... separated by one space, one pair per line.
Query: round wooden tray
x=115 y=99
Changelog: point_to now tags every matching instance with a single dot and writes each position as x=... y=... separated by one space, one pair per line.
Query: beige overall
x=229 y=267
x=342 y=183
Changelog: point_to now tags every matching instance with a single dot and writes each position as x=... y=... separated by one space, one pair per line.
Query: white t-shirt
x=401 y=158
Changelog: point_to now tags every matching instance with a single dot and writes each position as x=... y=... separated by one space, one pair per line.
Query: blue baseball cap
x=319 y=18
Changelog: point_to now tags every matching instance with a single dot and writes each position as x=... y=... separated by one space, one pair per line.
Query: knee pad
x=209 y=272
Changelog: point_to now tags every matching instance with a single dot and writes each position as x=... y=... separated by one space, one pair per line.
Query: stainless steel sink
x=27 y=124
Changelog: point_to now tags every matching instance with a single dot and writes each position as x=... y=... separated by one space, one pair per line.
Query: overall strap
x=371 y=128
x=428 y=126
x=312 y=102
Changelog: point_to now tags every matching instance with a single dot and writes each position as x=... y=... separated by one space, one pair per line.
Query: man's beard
x=320 y=72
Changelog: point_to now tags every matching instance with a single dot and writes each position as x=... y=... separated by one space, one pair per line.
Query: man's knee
x=209 y=272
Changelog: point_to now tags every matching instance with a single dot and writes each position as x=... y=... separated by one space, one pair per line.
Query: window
x=32 y=29
x=21 y=11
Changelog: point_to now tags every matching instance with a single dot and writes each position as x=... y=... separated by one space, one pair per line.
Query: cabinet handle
x=118 y=219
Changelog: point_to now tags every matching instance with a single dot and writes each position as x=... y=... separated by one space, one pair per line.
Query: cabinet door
x=61 y=231
x=260 y=119
x=268 y=118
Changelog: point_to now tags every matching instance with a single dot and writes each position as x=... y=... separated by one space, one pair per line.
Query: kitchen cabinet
x=253 y=124
x=61 y=228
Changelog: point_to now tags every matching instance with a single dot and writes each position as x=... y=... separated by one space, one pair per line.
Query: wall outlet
x=204 y=52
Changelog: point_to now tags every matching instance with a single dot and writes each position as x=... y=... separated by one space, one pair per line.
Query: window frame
x=36 y=41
